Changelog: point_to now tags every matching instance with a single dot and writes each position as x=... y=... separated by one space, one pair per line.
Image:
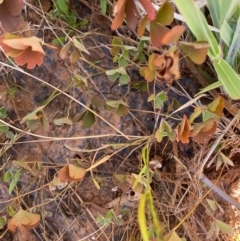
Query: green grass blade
x=211 y=87
x=225 y=9
x=198 y=25
x=228 y=77
x=214 y=8
x=226 y=33
x=228 y=8
x=157 y=225
x=235 y=45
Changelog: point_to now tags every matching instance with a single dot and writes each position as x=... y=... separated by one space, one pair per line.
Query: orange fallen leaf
x=23 y=220
x=183 y=130
x=24 y=50
x=128 y=8
x=71 y=173
x=173 y=34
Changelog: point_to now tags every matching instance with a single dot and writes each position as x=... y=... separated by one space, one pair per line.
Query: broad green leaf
x=62 y=121
x=83 y=22
x=3 y=128
x=211 y=230
x=3 y=221
x=79 y=45
x=11 y=210
x=3 y=112
x=7 y=176
x=224 y=227
x=121 y=70
x=35 y=115
x=228 y=77
x=165 y=14
x=103 y=5
x=32 y=124
x=226 y=160
x=212 y=204
x=62 y=5
x=172 y=236
x=113 y=77
x=117 y=45
x=198 y=25
x=89 y=119
x=122 y=110
x=14 y=181
x=9 y=134
x=122 y=62
x=44 y=123
x=111 y=71
x=164 y=129
x=65 y=50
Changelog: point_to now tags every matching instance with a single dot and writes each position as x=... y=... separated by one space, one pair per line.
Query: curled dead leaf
x=183 y=130
x=23 y=220
x=24 y=50
x=203 y=132
x=71 y=173
x=167 y=66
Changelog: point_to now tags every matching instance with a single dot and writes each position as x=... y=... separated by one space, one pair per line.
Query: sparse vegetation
x=125 y=113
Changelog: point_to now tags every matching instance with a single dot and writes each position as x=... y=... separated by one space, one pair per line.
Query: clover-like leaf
x=165 y=129
x=158 y=31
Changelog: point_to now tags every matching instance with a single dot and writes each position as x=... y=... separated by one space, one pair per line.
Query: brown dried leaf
x=202 y=132
x=71 y=173
x=23 y=220
x=168 y=66
x=24 y=50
